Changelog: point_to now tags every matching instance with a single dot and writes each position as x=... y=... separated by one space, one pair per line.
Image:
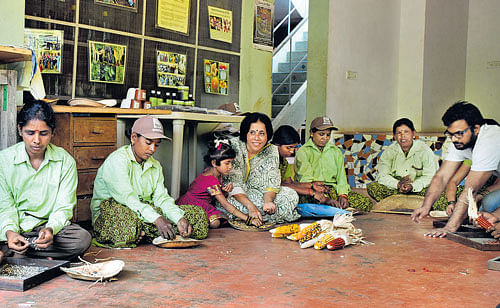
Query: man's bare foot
x=441 y=232
x=1 y=257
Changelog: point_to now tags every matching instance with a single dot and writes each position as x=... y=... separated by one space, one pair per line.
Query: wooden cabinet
x=89 y=138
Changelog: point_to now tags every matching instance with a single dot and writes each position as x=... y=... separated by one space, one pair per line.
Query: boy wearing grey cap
x=321 y=163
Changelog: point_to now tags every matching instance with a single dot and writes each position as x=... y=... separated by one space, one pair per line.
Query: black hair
x=254 y=117
x=128 y=134
x=218 y=150
x=463 y=110
x=403 y=121
x=284 y=135
x=491 y=122
x=315 y=129
x=36 y=110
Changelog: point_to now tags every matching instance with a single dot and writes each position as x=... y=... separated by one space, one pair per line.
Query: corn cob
x=483 y=222
x=337 y=243
x=325 y=239
x=311 y=233
x=298 y=235
x=283 y=231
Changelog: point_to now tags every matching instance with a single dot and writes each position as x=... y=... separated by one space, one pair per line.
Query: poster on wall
x=216 y=77
x=107 y=62
x=173 y=15
x=170 y=69
x=47 y=45
x=122 y=4
x=263 y=25
x=220 y=22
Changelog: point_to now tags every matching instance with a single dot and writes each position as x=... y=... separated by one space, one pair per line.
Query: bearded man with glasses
x=472 y=139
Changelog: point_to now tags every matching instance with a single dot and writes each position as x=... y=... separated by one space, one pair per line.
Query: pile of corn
x=333 y=235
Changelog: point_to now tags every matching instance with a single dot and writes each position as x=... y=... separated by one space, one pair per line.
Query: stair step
x=296 y=55
x=298 y=76
x=301 y=46
x=284 y=87
x=285 y=67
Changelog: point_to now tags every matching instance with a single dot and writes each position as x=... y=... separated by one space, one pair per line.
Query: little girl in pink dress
x=208 y=185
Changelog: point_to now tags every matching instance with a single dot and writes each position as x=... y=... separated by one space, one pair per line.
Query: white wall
x=12 y=23
x=364 y=38
x=445 y=49
x=483 y=46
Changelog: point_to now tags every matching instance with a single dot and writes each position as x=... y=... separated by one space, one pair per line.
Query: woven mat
x=400 y=204
x=240 y=225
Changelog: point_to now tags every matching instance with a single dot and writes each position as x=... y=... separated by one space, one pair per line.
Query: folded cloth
x=318 y=210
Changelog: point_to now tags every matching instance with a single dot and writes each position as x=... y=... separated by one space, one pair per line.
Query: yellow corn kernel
x=311 y=233
x=298 y=235
x=325 y=239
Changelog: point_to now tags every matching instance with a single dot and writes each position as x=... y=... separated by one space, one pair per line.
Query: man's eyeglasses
x=458 y=134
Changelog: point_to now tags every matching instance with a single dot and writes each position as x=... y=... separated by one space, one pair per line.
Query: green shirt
x=327 y=166
x=122 y=178
x=420 y=163
x=29 y=197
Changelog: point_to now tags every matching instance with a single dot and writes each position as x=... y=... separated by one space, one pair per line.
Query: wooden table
x=179 y=119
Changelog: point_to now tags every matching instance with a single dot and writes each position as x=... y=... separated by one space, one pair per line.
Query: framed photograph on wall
x=220 y=23
x=216 y=76
x=47 y=45
x=122 y=4
x=173 y=15
x=170 y=69
x=107 y=62
x=263 y=25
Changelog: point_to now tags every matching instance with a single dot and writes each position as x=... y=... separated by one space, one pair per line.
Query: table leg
x=178 y=137
x=193 y=147
x=121 y=139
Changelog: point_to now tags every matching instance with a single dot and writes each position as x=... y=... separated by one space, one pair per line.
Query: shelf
x=10 y=54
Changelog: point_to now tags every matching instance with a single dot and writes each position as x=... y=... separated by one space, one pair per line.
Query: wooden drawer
x=85 y=183
x=94 y=130
x=91 y=157
x=81 y=211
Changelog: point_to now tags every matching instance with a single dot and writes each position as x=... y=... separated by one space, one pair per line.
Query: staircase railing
x=288 y=41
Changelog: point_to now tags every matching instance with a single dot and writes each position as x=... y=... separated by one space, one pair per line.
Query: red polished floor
x=238 y=269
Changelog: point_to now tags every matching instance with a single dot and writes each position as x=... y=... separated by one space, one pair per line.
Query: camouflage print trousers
x=118 y=226
x=356 y=200
x=379 y=192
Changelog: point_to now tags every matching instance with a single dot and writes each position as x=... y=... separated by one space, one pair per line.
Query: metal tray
x=478 y=239
x=52 y=270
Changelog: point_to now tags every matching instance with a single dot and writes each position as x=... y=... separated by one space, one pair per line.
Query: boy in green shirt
x=130 y=200
x=320 y=163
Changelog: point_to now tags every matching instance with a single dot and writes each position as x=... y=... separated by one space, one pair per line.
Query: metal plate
x=494 y=264
x=240 y=225
x=52 y=270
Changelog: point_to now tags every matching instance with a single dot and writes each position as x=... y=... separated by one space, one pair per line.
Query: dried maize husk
x=283 y=231
x=337 y=243
x=323 y=239
x=311 y=233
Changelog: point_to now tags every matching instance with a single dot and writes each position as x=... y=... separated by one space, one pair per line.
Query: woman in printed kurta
x=256 y=175
x=130 y=200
